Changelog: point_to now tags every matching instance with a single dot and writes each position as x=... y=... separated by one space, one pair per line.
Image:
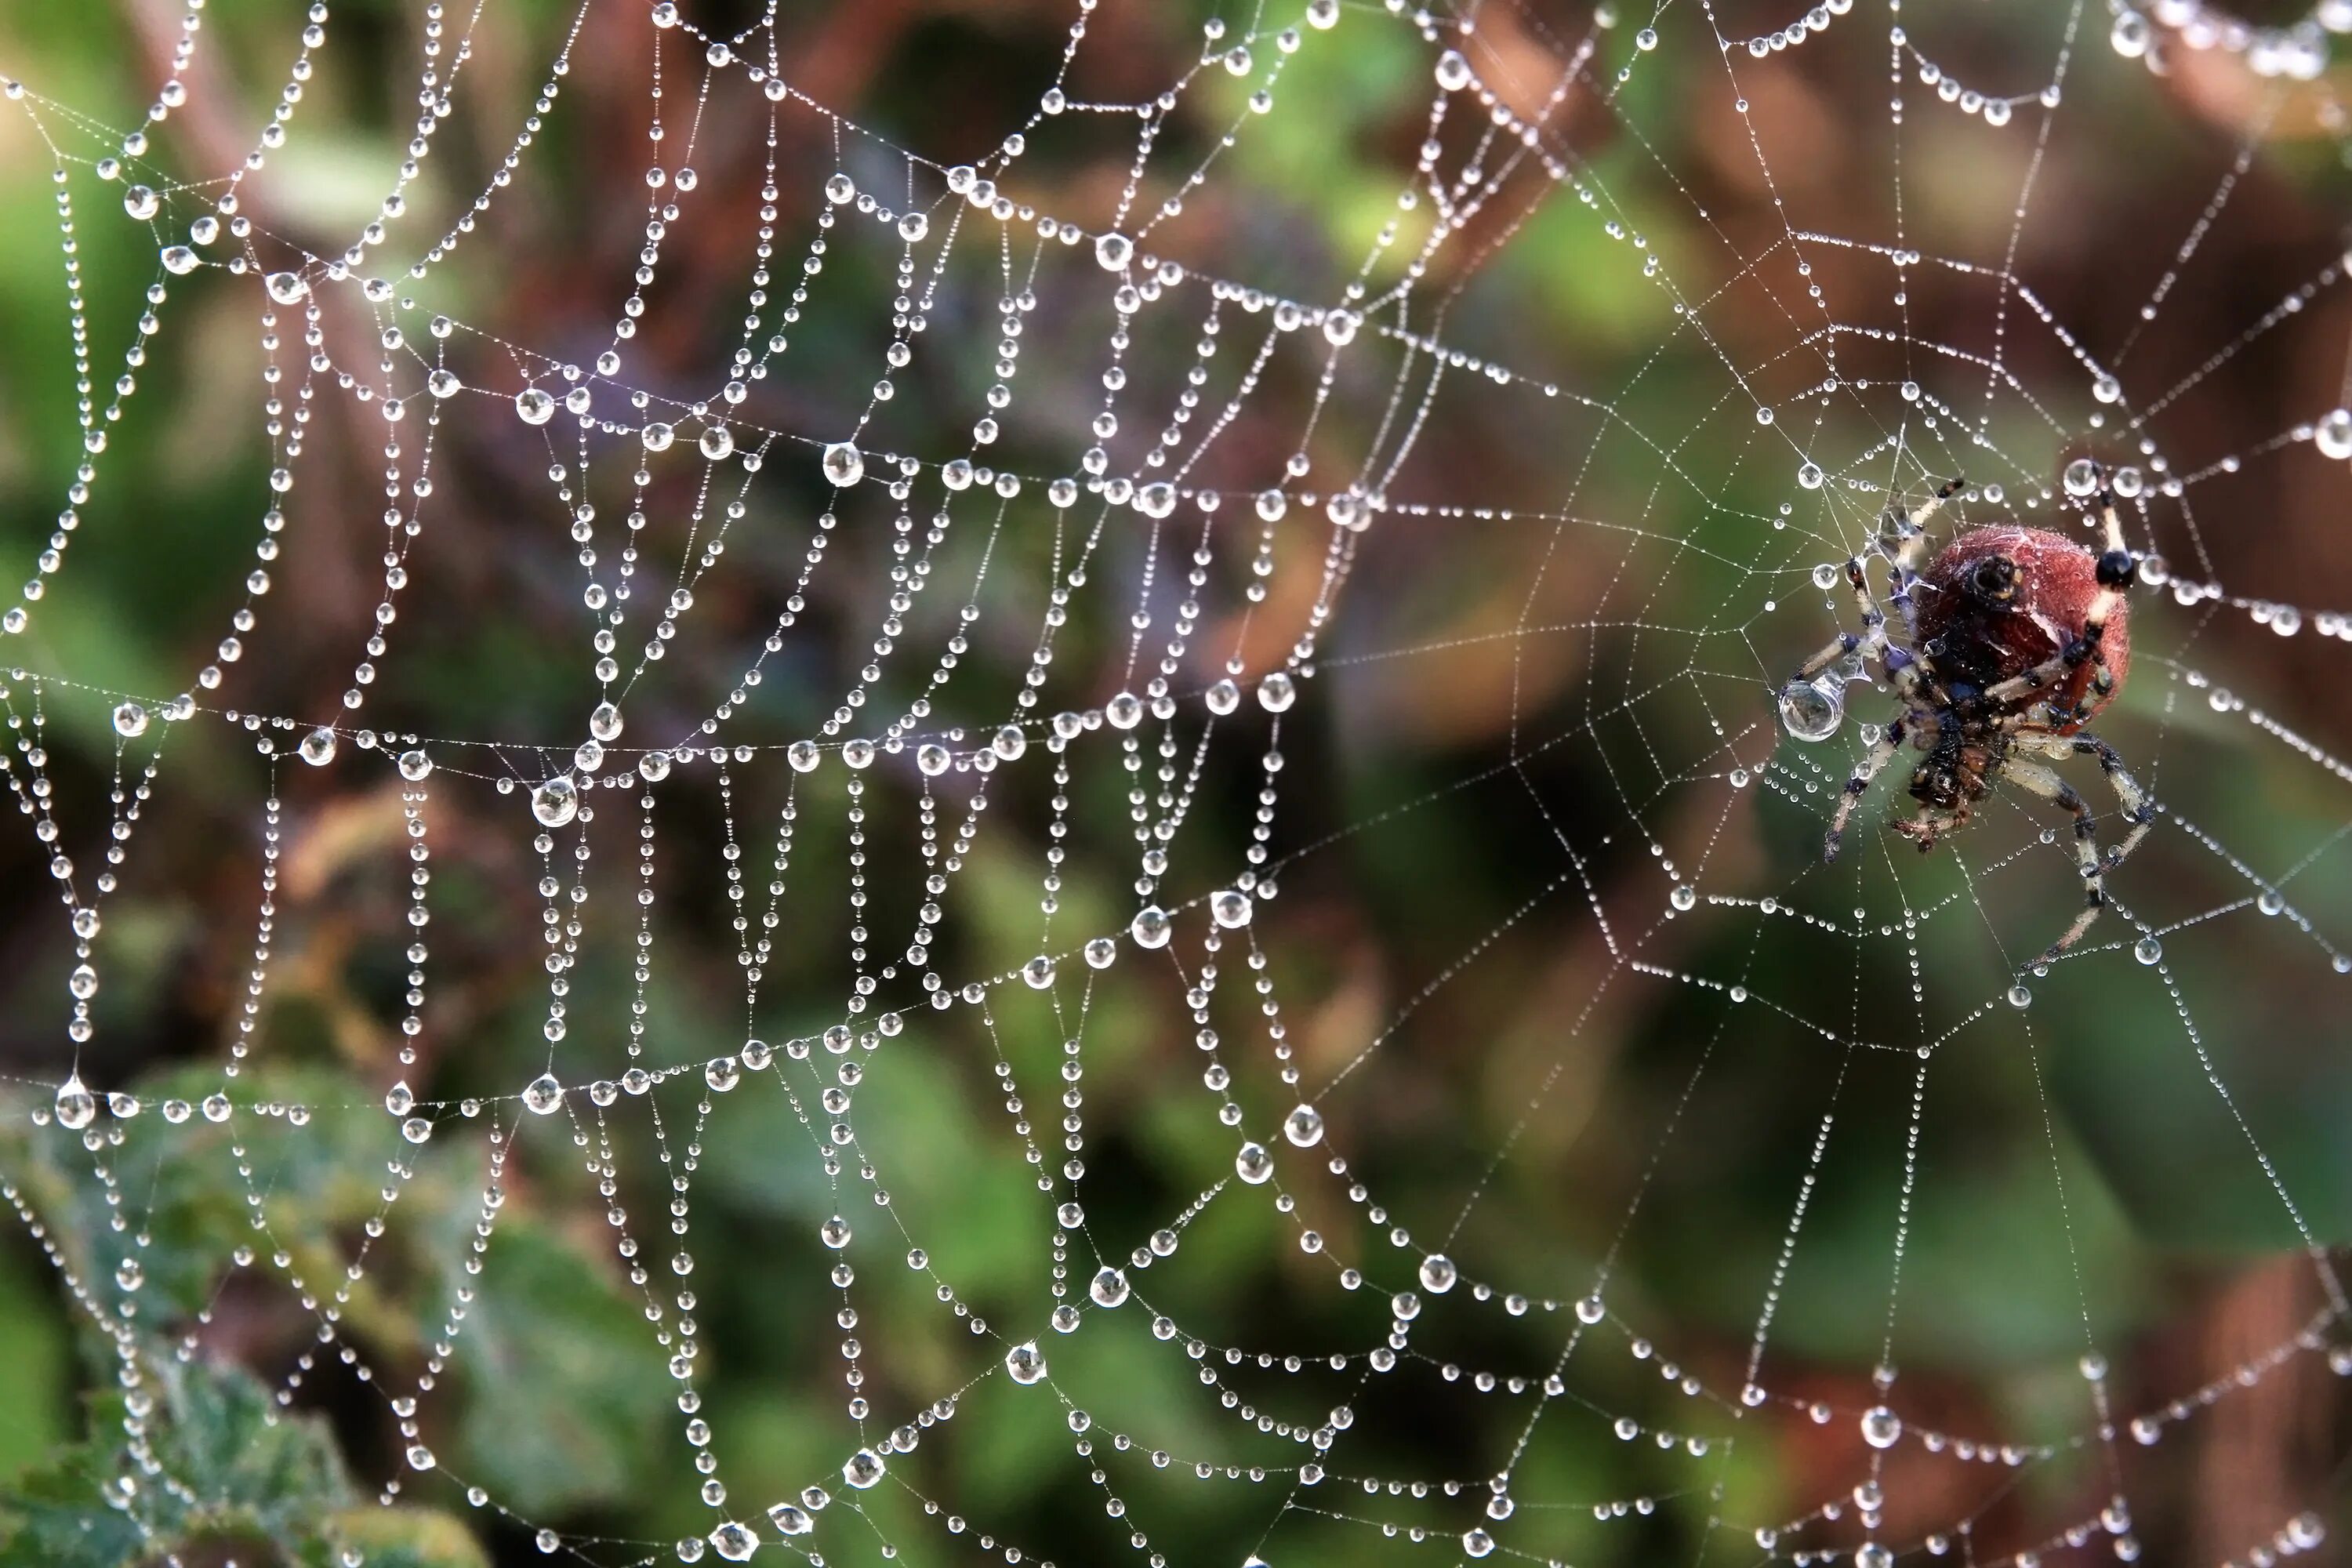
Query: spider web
x=1060 y=545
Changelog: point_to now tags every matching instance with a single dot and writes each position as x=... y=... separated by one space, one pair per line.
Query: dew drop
x=556 y=802
x=542 y=1094
x=140 y=202
x=1150 y=927
x=1303 y=1126
x=1025 y=1364
x=1253 y=1163
x=318 y=747
x=1810 y=476
x=1438 y=1274
x=77 y=1107
x=1812 y=709
x=1109 y=1288
x=843 y=464
x=2334 y=433
x=536 y=404
x=1453 y=71
x=1881 y=1426
x=130 y=720
x=2080 y=477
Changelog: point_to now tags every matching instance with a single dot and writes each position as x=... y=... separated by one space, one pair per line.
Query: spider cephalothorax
x=2009 y=642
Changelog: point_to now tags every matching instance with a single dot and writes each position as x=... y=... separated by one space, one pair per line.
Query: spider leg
x=2041 y=781
x=1882 y=751
x=1839 y=647
x=2139 y=810
x=1935 y=503
x=2067 y=665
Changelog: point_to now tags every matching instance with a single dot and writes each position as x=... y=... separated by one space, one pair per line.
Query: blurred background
x=1540 y=706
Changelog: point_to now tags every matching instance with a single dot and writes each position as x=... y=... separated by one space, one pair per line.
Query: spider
x=2013 y=641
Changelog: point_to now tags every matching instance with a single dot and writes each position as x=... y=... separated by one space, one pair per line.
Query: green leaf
x=229 y=1470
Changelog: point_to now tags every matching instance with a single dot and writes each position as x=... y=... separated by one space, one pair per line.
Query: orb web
x=1183 y=859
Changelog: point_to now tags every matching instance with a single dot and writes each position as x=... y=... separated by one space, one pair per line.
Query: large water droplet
x=179 y=260
x=130 y=720
x=398 y=1099
x=557 y=800
x=318 y=747
x=1438 y=1274
x=1881 y=1426
x=1453 y=71
x=1109 y=1288
x=543 y=1094
x=444 y=383
x=833 y=1232
x=2080 y=477
x=415 y=767
x=77 y=1107
x=791 y=1519
x=734 y=1540
x=1253 y=1163
x=1113 y=251
x=536 y=404
x=1812 y=709
x=286 y=288
x=1025 y=1363
x=1230 y=908
x=1810 y=475
x=1150 y=927
x=1303 y=1126
x=1276 y=692
x=140 y=202
x=2334 y=433
x=864 y=1470
x=844 y=465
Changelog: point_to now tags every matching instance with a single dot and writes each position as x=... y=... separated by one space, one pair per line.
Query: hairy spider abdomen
x=2000 y=601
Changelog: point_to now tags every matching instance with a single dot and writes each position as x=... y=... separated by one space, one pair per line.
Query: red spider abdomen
x=1980 y=637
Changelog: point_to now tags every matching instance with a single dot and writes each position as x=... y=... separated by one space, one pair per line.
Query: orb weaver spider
x=2009 y=643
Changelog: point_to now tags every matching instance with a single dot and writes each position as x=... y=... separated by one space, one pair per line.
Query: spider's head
x=1933 y=784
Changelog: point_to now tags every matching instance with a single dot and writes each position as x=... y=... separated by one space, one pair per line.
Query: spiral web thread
x=1703 y=612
